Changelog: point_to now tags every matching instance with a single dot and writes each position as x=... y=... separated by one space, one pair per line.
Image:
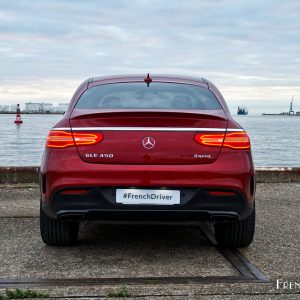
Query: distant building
x=13 y=108
x=32 y=107
x=4 y=108
x=42 y=107
x=61 y=108
x=46 y=107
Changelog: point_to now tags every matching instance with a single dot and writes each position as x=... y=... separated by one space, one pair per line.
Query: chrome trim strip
x=146 y=129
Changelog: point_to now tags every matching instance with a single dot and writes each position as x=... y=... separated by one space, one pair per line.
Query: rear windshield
x=157 y=96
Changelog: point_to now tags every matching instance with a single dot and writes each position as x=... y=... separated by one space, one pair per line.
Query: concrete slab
x=19 y=200
x=109 y=251
x=118 y=251
x=276 y=247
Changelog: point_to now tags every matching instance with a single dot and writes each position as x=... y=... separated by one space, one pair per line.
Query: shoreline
x=31 y=113
x=282 y=114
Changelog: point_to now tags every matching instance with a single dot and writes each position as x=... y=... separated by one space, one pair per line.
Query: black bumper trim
x=100 y=203
x=154 y=215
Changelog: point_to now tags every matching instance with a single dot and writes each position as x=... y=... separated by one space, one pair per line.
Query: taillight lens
x=87 y=138
x=63 y=139
x=233 y=140
x=210 y=139
x=237 y=140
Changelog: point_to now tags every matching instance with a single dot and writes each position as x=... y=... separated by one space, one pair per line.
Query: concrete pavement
x=108 y=256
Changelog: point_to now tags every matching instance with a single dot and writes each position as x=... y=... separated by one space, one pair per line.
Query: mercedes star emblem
x=148 y=142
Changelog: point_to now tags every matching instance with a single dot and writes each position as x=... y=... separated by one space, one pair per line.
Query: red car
x=147 y=148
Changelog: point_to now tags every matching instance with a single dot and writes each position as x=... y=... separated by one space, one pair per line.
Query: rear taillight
x=237 y=140
x=233 y=140
x=210 y=139
x=63 y=139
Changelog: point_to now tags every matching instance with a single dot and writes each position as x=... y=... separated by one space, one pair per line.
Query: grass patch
x=23 y=294
x=123 y=292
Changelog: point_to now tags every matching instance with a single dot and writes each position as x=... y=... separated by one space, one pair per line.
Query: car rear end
x=156 y=149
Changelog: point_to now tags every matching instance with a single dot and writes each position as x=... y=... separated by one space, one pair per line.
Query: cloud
x=250 y=49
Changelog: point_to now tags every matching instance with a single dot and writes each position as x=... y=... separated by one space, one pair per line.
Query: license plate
x=141 y=196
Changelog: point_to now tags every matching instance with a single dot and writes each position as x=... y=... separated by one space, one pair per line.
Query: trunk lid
x=148 y=137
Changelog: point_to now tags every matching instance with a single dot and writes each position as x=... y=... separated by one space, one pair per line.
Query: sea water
x=275 y=139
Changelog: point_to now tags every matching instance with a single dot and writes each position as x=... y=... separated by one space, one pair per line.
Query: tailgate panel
x=148 y=138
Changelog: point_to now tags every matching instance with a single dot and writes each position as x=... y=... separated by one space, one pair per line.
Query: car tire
x=237 y=234
x=58 y=233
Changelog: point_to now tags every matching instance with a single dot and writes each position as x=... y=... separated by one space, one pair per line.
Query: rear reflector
x=74 y=192
x=221 y=193
x=64 y=139
x=233 y=140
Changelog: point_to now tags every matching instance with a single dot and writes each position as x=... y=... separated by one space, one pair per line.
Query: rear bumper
x=233 y=171
x=196 y=204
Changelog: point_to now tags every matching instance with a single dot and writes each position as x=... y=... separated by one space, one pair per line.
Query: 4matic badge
x=202 y=156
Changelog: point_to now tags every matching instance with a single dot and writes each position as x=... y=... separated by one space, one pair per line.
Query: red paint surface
x=169 y=164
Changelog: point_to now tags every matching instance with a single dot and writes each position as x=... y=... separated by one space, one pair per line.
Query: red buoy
x=18 y=119
x=148 y=80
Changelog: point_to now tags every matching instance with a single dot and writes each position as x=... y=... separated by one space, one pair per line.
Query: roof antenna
x=148 y=80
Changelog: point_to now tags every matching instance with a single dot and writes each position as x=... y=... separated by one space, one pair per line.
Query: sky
x=249 y=49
